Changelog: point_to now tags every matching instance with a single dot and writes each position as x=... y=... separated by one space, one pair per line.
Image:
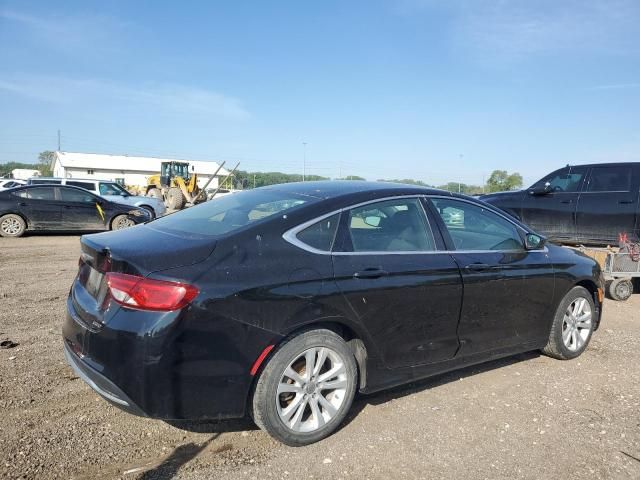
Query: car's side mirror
x=533 y=241
x=540 y=190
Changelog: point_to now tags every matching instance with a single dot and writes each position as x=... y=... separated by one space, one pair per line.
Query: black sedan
x=49 y=207
x=282 y=302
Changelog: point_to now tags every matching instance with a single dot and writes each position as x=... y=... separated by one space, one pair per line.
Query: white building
x=132 y=171
x=23 y=173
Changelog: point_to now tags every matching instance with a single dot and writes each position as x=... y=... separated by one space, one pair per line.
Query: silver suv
x=108 y=189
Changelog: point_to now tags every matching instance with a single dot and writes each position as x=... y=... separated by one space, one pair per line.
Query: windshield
x=229 y=213
x=112 y=189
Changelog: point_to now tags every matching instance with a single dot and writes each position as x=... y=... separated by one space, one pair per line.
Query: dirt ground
x=527 y=417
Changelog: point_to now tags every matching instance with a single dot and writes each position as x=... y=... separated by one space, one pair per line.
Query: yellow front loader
x=175 y=185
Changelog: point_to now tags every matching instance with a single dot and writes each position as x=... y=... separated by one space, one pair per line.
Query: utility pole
x=59 y=148
x=304 y=160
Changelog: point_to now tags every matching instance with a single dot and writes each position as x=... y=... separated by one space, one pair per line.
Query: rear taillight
x=147 y=294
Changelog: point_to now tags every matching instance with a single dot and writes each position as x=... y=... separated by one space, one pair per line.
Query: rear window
x=231 y=212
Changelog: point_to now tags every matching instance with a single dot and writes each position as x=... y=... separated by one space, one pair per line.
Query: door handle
x=371 y=273
x=566 y=201
x=625 y=202
x=478 y=267
x=22 y=204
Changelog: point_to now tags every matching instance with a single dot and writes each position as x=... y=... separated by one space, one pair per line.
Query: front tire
x=12 y=225
x=572 y=325
x=306 y=389
x=121 y=221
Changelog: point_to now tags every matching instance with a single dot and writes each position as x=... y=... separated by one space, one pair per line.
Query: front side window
x=112 y=189
x=398 y=225
x=472 y=227
x=566 y=180
x=72 y=195
x=320 y=235
x=610 y=179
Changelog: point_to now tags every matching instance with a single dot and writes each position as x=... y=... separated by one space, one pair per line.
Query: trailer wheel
x=620 y=289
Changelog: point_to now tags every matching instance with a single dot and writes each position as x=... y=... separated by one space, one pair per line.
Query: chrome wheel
x=577 y=324
x=312 y=389
x=10 y=226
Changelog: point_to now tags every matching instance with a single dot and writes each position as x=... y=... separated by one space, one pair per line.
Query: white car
x=7 y=183
x=108 y=189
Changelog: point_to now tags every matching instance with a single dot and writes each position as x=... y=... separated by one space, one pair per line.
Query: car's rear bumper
x=101 y=384
x=180 y=365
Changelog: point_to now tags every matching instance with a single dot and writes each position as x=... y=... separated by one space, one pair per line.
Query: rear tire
x=620 y=289
x=12 y=225
x=175 y=199
x=297 y=407
x=572 y=325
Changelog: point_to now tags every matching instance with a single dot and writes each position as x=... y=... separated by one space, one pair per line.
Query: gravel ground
x=527 y=417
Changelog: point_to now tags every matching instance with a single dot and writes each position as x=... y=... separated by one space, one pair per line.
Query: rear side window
x=85 y=185
x=398 y=225
x=41 y=193
x=320 y=235
x=610 y=179
x=472 y=227
x=231 y=212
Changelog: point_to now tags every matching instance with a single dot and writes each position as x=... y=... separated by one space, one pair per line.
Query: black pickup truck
x=582 y=204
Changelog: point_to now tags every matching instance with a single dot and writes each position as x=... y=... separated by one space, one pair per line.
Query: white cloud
x=150 y=97
x=512 y=29
x=76 y=33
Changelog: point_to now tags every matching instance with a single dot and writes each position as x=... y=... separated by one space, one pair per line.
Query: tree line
x=499 y=180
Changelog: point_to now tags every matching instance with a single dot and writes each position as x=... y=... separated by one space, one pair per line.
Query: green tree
x=352 y=177
x=501 y=180
x=408 y=181
x=45 y=162
x=244 y=179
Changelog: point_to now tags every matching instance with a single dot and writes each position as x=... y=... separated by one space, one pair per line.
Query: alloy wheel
x=11 y=226
x=577 y=324
x=312 y=389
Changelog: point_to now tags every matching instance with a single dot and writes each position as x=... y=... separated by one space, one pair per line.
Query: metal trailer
x=619 y=267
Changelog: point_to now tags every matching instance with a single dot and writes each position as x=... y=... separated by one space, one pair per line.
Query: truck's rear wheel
x=175 y=199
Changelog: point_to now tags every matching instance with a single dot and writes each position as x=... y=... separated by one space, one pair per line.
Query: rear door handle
x=478 y=267
x=566 y=201
x=625 y=202
x=371 y=273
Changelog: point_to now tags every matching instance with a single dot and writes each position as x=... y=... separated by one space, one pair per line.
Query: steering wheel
x=558 y=188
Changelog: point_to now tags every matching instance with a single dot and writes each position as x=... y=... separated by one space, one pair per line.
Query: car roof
x=608 y=164
x=52 y=185
x=325 y=189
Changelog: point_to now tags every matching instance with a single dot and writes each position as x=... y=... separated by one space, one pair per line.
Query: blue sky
x=436 y=91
